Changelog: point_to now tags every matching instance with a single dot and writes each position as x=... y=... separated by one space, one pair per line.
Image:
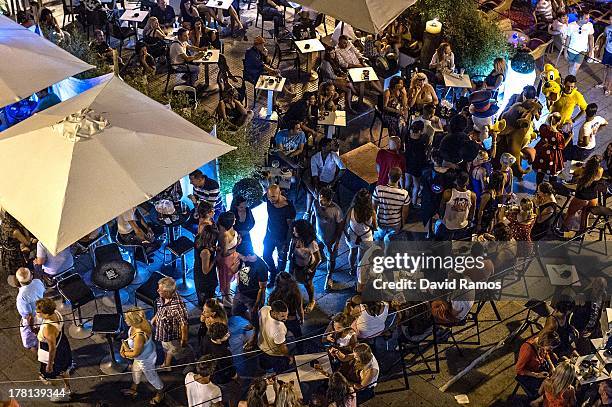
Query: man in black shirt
x=216 y=344
x=252 y=279
x=281 y=214
x=164 y=13
x=305 y=111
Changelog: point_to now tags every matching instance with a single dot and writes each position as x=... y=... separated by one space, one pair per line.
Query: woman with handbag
x=140 y=347
x=54 y=353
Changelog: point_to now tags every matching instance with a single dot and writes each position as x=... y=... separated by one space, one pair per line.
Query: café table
x=331 y=120
x=599 y=363
x=563 y=275
x=271 y=84
x=210 y=57
x=305 y=369
x=308 y=48
x=134 y=17
x=113 y=276
x=219 y=4
x=172 y=221
x=361 y=76
x=283 y=177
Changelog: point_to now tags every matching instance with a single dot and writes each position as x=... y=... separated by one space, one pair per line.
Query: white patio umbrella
x=73 y=167
x=30 y=62
x=371 y=16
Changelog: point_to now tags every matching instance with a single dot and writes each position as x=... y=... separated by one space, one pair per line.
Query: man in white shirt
x=272 y=337
x=30 y=291
x=53 y=265
x=178 y=55
x=586 y=138
x=200 y=390
x=326 y=168
x=347 y=55
x=133 y=231
x=579 y=42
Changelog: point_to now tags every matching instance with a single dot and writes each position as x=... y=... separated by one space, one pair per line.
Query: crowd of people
x=443 y=167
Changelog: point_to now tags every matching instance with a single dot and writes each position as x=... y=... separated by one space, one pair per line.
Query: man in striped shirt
x=391 y=205
x=206 y=189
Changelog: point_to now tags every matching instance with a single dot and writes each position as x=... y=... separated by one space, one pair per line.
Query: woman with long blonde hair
x=141 y=349
x=497 y=75
x=558 y=390
x=421 y=92
x=286 y=395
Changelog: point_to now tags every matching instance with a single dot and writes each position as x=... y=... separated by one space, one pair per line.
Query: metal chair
x=286 y=51
x=378 y=109
x=74 y=290
x=109 y=325
x=69 y=11
x=147 y=292
x=131 y=249
x=263 y=21
x=121 y=33
x=179 y=249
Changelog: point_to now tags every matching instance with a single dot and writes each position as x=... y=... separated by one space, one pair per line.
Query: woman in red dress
x=549 y=150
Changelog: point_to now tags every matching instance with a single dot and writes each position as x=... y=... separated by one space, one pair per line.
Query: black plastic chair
x=263 y=21
x=179 y=249
x=286 y=51
x=74 y=290
x=147 y=292
x=69 y=10
x=122 y=34
x=109 y=325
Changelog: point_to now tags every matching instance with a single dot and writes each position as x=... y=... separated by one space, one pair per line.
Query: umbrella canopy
x=371 y=16
x=75 y=166
x=31 y=62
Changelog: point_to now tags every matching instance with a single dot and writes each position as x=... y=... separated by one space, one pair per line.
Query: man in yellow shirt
x=570 y=98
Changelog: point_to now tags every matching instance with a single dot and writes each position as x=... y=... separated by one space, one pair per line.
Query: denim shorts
x=575 y=58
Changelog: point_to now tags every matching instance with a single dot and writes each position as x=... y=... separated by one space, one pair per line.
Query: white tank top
x=369 y=326
x=457 y=210
x=363 y=230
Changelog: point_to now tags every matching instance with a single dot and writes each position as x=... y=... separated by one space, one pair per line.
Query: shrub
x=476 y=41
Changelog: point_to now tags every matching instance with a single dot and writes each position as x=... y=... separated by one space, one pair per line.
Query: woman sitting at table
x=443 y=61
x=231 y=110
x=203 y=37
x=421 y=93
x=154 y=36
x=189 y=13
x=395 y=106
x=328 y=97
x=558 y=389
x=330 y=71
x=535 y=362
x=361 y=370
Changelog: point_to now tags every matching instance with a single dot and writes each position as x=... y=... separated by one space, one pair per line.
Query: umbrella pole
x=341 y=27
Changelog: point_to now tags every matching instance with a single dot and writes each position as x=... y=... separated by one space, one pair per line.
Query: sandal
x=310 y=307
x=130 y=393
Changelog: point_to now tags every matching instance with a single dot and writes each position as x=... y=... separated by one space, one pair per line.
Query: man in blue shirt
x=30 y=291
x=257 y=61
x=164 y=13
x=291 y=141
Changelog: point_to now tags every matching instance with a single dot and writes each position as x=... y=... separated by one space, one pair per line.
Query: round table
x=169 y=222
x=113 y=276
